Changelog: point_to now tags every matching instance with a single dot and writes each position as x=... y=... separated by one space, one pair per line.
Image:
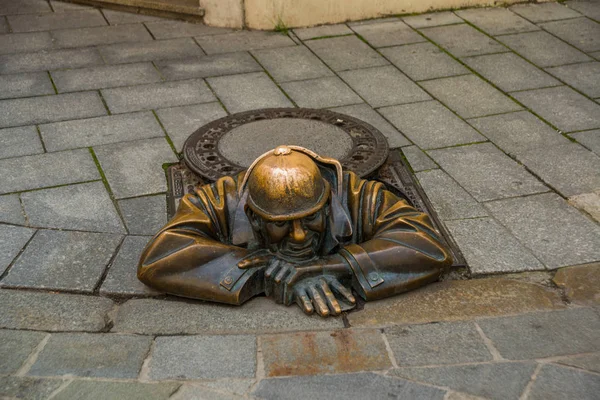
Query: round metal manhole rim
x=201 y=150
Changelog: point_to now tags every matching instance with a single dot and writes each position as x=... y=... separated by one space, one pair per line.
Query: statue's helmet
x=286 y=184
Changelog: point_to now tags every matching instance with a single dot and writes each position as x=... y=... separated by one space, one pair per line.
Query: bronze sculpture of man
x=297 y=228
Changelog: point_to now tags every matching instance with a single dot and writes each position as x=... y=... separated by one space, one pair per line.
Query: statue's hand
x=317 y=294
x=258 y=258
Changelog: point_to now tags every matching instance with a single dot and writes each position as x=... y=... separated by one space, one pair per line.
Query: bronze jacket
x=389 y=246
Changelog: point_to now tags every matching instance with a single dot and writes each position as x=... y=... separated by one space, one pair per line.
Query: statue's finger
x=272 y=269
x=282 y=274
x=334 y=306
x=342 y=291
x=304 y=301
x=318 y=301
x=253 y=261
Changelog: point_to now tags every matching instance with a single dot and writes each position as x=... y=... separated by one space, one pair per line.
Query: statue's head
x=288 y=203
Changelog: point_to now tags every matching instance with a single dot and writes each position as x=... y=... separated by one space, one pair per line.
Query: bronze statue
x=297 y=228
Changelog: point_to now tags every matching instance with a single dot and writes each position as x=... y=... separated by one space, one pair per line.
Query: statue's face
x=297 y=239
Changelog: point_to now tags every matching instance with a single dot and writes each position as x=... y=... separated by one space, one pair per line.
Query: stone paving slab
x=100 y=35
x=160 y=317
x=590 y=362
x=321 y=93
x=48 y=60
x=347 y=386
x=52 y=311
x=582 y=33
x=316 y=353
x=430 y=125
x=497 y=21
x=105 y=390
x=101 y=130
x=385 y=34
x=583 y=77
x=346 y=52
x=63 y=260
x=3 y=25
x=61 y=208
x=544 y=12
x=25 y=85
x=144 y=215
x=417 y=159
x=457 y=300
x=115 y=17
x=188 y=392
x=243 y=41
x=195 y=357
x=588 y=202
x=557 y=382
x=167 y=29
x=205 y=66
x=558 y=234
x=586 y=7
x=50 y=21
x=149 y=51
x=20 y=141
x=25 y=42
x=28 y=388
x=16 y=347
x=24 y=7
x=39 y=110
x=590 y=139
x=581 y=283
x=135 y=168
x=432 y=19
x=44 y=170
x=10 y=210
x=463 y=40
x=322 y=31
x=485 y=172
x=423 y=61
x=292 y=64
x=92 y=355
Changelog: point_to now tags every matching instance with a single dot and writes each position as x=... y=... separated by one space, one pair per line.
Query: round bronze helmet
x=286 y=185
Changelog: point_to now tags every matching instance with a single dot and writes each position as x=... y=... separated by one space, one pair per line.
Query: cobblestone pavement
x=497 y=111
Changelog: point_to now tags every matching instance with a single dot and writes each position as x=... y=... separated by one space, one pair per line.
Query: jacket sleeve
x=396 y=247
x=191 y=256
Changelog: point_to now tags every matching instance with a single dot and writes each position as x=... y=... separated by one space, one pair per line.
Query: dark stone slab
x=25 y=85
x=243 y=41
x=554 y=382
x=48 y=60
x=20 y=141
x=582 y=33
x=463 y=40
x=15 y=348
x=12 y=240
x=206 y=66
x=50 y=21
x=347 y=52
x=144 y=215
x=100 y=390
x=28 y=388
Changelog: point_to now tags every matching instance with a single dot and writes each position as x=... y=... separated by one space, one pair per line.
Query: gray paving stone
x=236 y=386
x=62 y=208
x=449 y=199
x=578 y=171
x=61 y=6
x=589 y=362
x=423 y=61
x=149 y=51
x=591 y=8
x=15 y=348
x=485 y=172
x=391 y=33
x=205 y=66
x=203 y=357
x=8 y=7
x=545 y=334
x=292 y=64
x=3 y=25
x=463 y=40
x=10 y=209
x=479 y=241
x=196 y=392
x=470 y=96
x=562 y=107
x=418 y=160
x=25 y=42
x=443 y=343
x=144 y=215
x=135 y=168
x=52 y=311
x=82 y=37
x=157 y=95
x=544 y=12
x=243 y=41
x=248 y=92
x=590 y=139
x=168 y=29
x=321 y=93
x=121 y=279
x=115 y=17
x=556 y=233
x=554 y=382
x=430 y=125
x=582 y=33
x=346 y=52
x=497 y=21
x=583 y=77
x=518 y=132
x=347 y=386
x=12 y=239
x=432 y=19
x=490 y=381
x=150 y=316
x=181 y=122
x=25 y=85
x=365 y=113
x=34 y=172
x=106 y=390
x=49 y=21
x=543 y=49
x=28 y=388
x=48 y=60
x=101 y=130
x=510 y=72
x=384 y=86
x=21 y=141
x=105 y=76
x=92 y=355
x=322 y=31
x=62 y=260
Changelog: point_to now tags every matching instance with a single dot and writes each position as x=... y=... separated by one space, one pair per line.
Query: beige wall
x=224 y=13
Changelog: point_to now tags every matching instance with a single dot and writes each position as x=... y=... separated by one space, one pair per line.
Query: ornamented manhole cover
x=229 y=145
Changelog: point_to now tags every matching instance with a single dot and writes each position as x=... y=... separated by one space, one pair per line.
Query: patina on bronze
x=298 y=228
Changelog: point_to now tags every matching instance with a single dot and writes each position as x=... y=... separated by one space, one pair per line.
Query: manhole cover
x=229 y=145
